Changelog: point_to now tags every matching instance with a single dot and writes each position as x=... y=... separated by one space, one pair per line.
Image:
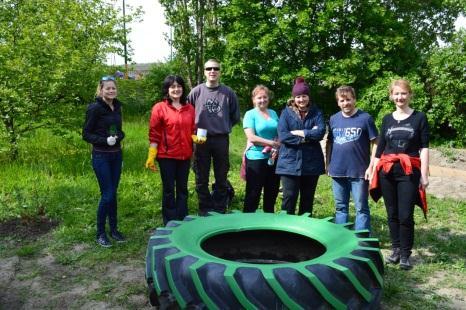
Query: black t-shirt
x=407 y=136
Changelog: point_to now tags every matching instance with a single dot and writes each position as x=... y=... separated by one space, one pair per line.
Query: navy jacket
x=102 y=122
x=301 y=156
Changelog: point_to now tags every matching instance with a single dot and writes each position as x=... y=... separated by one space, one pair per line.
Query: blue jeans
x=107 y=168
x=342 y=187
x=174 y=174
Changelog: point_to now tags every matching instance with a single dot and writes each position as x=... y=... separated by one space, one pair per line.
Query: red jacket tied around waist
x=407 y=163
x=171 y=129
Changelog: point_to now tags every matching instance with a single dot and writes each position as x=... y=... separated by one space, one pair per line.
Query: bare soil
x=40 y=282
x=446 y=158
x=448 y=174
x=27 y=229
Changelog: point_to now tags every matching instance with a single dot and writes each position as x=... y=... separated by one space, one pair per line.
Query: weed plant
x=54 y=177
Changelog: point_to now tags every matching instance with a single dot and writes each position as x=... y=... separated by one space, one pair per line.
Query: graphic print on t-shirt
x=213 y=106
x=345 y=135
x=399 y=136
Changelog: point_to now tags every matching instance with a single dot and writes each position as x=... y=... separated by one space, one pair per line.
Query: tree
x=195 y=34
x=51 y=54
x=446 y=88
x=330 y=42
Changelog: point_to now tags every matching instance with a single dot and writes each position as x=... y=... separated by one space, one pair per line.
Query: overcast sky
x=147 y=37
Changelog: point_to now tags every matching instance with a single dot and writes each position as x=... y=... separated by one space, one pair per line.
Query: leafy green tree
x=446 y=88
x=330 y=42
x=363 y=43
x=51 y=54
x=195 y=34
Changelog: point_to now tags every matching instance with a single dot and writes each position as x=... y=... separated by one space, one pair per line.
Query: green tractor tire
x=263 y=261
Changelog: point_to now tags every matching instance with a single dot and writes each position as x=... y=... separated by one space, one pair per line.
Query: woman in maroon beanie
x=300 y=160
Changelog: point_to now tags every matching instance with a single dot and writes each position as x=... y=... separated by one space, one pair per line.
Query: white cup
x=201 y=133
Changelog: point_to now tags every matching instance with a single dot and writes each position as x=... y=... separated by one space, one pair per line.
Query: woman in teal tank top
x=260 y=127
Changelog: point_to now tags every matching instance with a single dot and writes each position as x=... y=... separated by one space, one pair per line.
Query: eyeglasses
x=108 y=78
x=212 y=68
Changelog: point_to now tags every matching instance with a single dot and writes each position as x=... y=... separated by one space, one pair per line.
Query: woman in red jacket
x=170 y=129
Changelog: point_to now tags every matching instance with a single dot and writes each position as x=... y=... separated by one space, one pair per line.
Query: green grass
x=53 y=176
x=28 y=250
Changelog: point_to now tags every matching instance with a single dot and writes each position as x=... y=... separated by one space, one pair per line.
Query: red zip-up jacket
x=171 y=129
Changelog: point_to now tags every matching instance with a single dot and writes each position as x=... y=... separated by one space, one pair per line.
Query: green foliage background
x=359 y=43
x=51 y=56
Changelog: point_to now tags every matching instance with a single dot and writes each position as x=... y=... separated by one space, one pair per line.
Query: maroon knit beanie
x=300 y=87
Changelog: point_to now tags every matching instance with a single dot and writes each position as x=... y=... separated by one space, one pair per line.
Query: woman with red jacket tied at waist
x=401 y=173
x=170 y=129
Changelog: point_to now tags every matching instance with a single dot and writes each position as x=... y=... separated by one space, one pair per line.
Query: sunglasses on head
x=212 y=68
x=108 y=78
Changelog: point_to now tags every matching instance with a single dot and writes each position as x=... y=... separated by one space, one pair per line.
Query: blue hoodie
x=301 y=156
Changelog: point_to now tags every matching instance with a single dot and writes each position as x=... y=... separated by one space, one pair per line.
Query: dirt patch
x=43 y=283
x=448 y=173
x=126 y=274
x=440 y=283
x=450 y=158
x=27 y=229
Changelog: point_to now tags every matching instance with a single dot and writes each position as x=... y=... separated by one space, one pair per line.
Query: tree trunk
x=12 y=138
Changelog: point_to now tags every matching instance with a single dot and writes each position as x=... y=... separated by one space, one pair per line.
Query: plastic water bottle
x=271 y=161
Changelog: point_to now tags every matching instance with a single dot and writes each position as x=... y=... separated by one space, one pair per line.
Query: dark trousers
x=216 y=150
x=107 y=168
x=259 y=175
x=304 y=186
x=174 y=173
x=399 y=193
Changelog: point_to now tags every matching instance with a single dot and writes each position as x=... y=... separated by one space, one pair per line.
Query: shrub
x=446 y=86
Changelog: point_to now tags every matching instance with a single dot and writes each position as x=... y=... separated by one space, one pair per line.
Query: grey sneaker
x=103 y=241
x=405 y=264
x=117 y=236
x=394 y=257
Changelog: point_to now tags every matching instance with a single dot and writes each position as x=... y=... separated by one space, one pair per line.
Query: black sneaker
x=117 y=236
x=405 y=264
x=103 y=241
x=394 y=258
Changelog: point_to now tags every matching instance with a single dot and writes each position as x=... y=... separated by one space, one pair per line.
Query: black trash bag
x=230 y=193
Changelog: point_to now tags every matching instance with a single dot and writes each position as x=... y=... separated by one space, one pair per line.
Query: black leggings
x=259 y=175
x=305 y=187
x=400 y=192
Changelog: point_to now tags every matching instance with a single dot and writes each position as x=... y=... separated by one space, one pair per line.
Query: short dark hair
x=344 y=91
x=169 y=80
